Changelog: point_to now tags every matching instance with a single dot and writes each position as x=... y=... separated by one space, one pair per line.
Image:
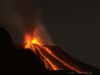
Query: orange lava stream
x=51 y=64
x=50 y=59
x=64 y=63
x=32 y=43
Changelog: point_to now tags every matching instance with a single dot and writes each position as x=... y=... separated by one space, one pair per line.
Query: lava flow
x=53 y=57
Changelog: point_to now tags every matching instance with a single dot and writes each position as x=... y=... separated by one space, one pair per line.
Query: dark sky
x=74 y=25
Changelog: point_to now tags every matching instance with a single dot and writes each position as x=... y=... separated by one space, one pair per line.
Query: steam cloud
x=21 y=16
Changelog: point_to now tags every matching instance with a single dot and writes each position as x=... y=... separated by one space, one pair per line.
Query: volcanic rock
x=5 y=39
x=19 y=61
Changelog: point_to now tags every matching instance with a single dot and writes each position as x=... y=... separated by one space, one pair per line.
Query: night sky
x=72 y=24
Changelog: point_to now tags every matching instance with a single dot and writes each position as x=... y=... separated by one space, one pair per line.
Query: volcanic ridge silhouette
x=20 y=61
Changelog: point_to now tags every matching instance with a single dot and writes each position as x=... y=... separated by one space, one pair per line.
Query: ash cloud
x=21 y=16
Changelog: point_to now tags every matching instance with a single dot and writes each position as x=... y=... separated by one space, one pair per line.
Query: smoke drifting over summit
x=20 y=17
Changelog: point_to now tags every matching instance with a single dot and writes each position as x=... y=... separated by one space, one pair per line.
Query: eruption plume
x=21 y=17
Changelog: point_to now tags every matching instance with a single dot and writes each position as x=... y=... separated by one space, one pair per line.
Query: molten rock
x=18 y=61
x=27 y=61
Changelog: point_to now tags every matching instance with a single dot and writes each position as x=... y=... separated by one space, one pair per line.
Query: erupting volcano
x=24 y=58
x=37 y=52
x=53 y=57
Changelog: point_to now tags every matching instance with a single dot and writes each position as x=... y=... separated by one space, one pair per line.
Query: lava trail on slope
x=54 y=58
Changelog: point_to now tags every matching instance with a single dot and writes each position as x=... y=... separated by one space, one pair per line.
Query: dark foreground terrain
x=24 y=61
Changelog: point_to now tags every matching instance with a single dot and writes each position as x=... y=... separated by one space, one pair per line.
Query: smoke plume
x=20 y=17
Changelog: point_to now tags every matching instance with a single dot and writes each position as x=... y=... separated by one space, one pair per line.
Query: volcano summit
x=33 y=58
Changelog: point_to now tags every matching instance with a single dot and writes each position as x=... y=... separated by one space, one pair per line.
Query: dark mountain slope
x=25 y=62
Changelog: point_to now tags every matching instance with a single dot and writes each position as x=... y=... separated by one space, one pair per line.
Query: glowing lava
x=54 y=59
x=29 y=41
